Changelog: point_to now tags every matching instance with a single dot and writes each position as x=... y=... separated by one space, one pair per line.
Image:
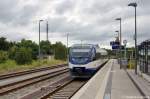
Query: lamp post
x=67 y=48
x=125 y=51
x=47 y=31
x=39 y=38
x=120 y=30
x=119 y=19
x=119 y=42
x=67 y=42
x=118 y=35
x=135 y=5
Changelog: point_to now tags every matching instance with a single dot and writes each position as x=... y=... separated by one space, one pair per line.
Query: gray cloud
x=92 y=21
x=25 y=15
x=13 y=36
x=7 y=10
x=14 y=13
x=65 y=6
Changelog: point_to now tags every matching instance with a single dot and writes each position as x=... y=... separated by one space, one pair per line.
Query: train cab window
x=82 y=52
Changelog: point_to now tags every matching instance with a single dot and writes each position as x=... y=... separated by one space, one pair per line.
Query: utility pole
x=119 y=44
x=135 y=5
x=67 y=42
x=120 y=48
x=47 y=31
x=118 y=35
x=120 y=30
x=67 y=48
x=125 y=51
x=39 y=38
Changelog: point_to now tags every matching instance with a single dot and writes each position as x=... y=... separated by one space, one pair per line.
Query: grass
x=11 y=66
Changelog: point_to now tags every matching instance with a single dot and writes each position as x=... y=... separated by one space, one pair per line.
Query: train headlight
x=86 y=59
x=73 y=59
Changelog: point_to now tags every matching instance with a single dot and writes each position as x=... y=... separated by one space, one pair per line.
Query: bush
x=12 y=52
x=3 y=56
x=60 y=51
x=23 y=56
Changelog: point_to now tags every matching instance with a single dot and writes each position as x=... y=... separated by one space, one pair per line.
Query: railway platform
x=122 y=86
x=111 y=82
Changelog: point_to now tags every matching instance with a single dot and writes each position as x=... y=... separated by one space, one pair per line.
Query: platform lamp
x=39 y=38
x=118 y=35
x=119 y=19
x=118 y=39
x=135 y=5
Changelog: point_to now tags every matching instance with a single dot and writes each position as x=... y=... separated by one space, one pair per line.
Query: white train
x=85 y=60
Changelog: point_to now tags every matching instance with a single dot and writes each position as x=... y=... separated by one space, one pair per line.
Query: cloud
x=65 y=6
x=7 y=9
x=92 y=21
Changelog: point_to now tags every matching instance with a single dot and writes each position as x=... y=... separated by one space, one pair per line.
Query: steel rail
x=9 y=75
x=17 y=85
x=67 y=91
x=49 y=89
x=60 y=87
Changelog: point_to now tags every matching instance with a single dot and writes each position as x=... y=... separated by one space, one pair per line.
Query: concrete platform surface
x=142 y=83
x=122 y=86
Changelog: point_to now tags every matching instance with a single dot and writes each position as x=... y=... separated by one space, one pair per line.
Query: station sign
x=114 y=43
x=124 y=42
x=115 y=47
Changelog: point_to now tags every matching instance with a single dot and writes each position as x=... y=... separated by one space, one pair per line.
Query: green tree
x=23 y=56
x=29 y=44
x=46 y=47
x=3 y=56
x=60 y=51
x=12 y=52
x=4 y=45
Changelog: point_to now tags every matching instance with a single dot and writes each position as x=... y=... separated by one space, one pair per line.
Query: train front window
x=80 y=52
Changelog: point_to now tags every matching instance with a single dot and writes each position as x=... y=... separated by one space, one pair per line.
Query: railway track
x=7 y=86
x=15 y=74
x=67 y=91
x=63 y=88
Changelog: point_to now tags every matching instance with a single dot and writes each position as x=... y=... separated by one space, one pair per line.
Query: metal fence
x=144 y=56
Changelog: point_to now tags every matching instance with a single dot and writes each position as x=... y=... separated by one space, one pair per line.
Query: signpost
x=125 y=52
x=115 y=45
x=124 y=61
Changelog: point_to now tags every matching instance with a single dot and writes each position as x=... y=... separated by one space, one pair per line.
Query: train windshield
x=79 y=52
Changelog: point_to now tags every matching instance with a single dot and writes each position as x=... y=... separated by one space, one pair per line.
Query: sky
x=89 y=21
